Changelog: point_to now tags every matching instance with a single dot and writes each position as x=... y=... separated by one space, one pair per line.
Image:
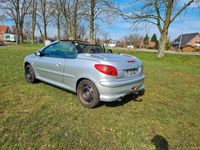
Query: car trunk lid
x=127 y=65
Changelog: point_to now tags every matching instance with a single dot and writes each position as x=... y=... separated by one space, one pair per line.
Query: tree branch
x=181 y=10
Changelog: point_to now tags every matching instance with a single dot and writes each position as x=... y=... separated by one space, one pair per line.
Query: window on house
x=197 y=42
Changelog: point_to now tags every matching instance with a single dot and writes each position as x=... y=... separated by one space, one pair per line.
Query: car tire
x=30 y=74
x=88 y=94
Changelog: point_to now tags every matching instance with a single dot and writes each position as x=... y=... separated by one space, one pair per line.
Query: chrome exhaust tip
x=134 y=88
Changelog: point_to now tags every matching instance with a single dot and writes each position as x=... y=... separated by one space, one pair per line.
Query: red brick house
x=152 y=45
x=3 y=30
x=186 y=42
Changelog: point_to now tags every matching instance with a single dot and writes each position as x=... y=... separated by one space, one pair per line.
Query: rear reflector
x=106 y=69
x=131 y=61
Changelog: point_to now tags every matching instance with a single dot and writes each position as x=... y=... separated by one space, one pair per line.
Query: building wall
x=1 y=36
x=193 y=41
x=151 y=45
x=188 y=48
x=3 y=30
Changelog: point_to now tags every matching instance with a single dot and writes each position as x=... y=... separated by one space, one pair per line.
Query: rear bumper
x=114 y=90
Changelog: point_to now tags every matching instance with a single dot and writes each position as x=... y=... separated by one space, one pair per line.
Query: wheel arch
x=79 y=80
x=26 y=63
x=84 y=78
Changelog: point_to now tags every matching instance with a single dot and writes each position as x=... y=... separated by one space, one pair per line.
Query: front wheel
x=29 y=74
x=88 y=94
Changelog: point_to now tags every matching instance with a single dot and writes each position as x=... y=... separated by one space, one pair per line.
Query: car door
x=70 y=64
x=50 y=65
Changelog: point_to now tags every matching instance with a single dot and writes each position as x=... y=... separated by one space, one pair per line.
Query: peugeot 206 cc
x=86 y=69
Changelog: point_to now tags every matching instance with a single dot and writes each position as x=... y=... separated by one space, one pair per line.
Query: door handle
x=58 y=64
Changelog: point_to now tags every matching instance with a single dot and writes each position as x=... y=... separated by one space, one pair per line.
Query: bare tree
x=13 y=29
x=65 y=8
x=134 y=39
x=16 y=10
x=82 y=32
x=57 y=17
x=44 y=13
x=71 y=10
x=92 y=16
x=161 y=13
x=33 y=19
x=27 y=33
x=105 y=37
x=98 y=10
x=40 y=29
x=74 y=19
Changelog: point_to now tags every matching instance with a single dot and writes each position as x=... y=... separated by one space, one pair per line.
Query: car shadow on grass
x=124 y=101
x=160 y=142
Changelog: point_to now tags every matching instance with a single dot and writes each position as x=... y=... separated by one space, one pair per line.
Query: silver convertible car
x=87 y=70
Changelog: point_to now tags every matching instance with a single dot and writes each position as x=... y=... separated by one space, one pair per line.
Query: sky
x=187 y=22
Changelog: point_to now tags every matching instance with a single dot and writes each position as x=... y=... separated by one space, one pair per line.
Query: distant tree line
x=70 y=17
x=73 y=18
x=139 y=41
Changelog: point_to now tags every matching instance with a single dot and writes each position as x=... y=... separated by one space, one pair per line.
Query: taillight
x=106 y=69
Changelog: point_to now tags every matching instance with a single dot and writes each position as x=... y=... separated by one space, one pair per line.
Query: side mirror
x=38 y=53
x=110 y=51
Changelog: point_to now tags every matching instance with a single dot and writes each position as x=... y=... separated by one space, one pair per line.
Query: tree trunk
x=17 y=36
x=45 y=33
x=21 y=36
x=21 y=27
x=45 y=30
x=17 y=23
x=34 y=9
x=41 y=34
x=74 y=24
x=44 y=9
x=33 y=32
x=164 y=31
x=58 y=30
x=92 y=21
x=73 y=36
x=68 y=29
x=17 y=31
x=162 y=42
x=74 y=29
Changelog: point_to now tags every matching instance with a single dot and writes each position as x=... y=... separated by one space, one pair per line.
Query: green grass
x=41 y=116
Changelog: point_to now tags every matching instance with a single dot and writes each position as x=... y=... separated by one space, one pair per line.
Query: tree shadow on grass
x=124 y=101
x=160 y=142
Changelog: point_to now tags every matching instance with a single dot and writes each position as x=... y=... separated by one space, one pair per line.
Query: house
x=9 y=37
x=187 y=42
x=152 y=45
x=130 y=46
x=3 y=30
x=111 y=43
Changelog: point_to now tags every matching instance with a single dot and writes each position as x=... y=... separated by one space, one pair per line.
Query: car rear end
x=121 y=75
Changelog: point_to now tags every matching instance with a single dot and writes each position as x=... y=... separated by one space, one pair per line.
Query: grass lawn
x=41 y=116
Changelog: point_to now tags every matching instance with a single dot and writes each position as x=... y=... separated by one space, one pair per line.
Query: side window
x=51 y=51
x=69 y=49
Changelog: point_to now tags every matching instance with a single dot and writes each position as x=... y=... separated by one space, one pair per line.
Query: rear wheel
x=29 y=74
x=88 y=94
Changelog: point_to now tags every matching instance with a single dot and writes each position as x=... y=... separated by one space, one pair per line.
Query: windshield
x=89 y=48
